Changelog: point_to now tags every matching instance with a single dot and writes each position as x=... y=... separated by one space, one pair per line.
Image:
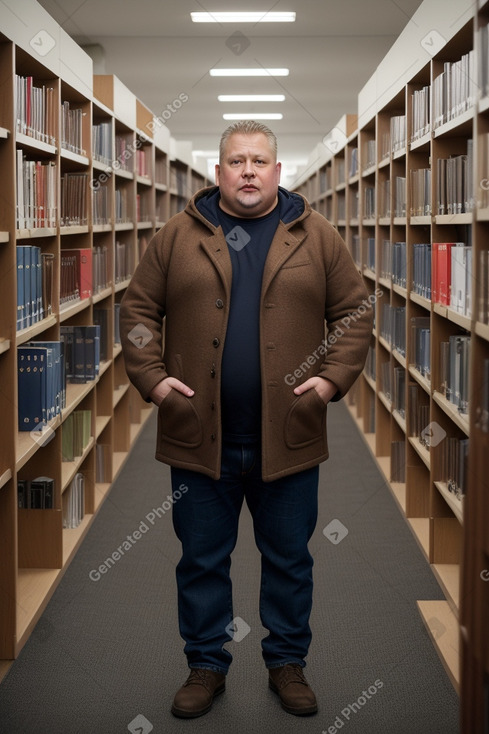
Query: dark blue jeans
x=205 y=519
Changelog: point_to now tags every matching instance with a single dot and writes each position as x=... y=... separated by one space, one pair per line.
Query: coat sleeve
x=142 y=316
x=349 y=320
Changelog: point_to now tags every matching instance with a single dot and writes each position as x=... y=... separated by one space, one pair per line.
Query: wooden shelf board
x=399 y=289
x=29 y=142
x=451 y=125
x=136 y=428
x=399 y=420
x=448 y=576
x=5 y=477
x=119 y=393
x=4 y=236
x=386 y=282
x=97 y=228
x=104 y=293
x=399 y=357
x=119 y=458
x=420 y=379
x=160 y=186
x=70 y=468
x=104 y=366
x=123 y=226
x=384 y=221
x=29 y=234
x=25 y=335
x=466 y=218
x=455 y=504
x=26 y=445
x=385 y=343
x=400 y=221
x=451 y=410
x=5 y=666
x=35 y=587
x=75 y=393
x=76 y=157
x=482 y=330
x=117 y=350
x=72 y=538
x=101 y=491
x=443 y=629
x=123 y=174
x=419 y=142
x=144 y=180
x=421 y=300
x=74 y=229
x=4 y=345
x=384 y=464
x=122 y=285
x=422 y=451
x=4 y=133
x=420 y=527
x=399 y=491
x=385 y=400
x=418 y=219
x=101 y=422
x=70 y=309
x=144 y=225
x=370 y=381
x=104 y=166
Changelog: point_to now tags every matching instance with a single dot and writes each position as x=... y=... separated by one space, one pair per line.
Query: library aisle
x=106 y=657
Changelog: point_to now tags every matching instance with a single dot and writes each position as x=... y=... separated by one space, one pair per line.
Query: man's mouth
x=248 y=187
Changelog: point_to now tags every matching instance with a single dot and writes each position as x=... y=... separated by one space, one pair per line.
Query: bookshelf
x=401 y=161
x=114 y=183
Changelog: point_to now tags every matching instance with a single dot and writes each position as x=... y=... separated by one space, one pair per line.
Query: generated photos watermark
x=352 y=709
x=333 y=336
x=131 y=539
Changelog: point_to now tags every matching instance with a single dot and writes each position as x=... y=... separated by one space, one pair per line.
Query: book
x=32 y=388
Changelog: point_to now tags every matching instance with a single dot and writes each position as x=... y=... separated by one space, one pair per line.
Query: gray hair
x=247 y=127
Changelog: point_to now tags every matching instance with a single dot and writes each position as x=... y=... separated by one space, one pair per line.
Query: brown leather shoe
x=197 y=694
x=296 y=696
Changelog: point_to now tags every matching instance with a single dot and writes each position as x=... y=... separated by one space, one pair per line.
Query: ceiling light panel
x=246 y=17
x=251 y=97
x=257 y=71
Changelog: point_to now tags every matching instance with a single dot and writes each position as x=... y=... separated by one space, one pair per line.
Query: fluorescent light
x=256 y=17
x=251 y=97
x=256 y=71
x=254 y=116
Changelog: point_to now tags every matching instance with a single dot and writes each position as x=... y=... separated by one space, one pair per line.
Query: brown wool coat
x=185 y=276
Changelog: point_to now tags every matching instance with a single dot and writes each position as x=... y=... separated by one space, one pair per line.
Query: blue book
x=31 y=375
x=55 y=382
x=67 y=337
x=92 y=351
x=27 y=287
x=20 y=288
x=78 y=355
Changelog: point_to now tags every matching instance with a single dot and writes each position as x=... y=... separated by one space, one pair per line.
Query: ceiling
x=159 y=54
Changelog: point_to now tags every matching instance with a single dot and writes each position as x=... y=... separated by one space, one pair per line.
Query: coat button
x=213 y=406
x=219 y=303
x=213 y=372
x=215 y=342
x=213 y=436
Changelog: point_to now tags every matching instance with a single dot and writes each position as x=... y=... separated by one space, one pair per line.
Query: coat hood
x=205 y=203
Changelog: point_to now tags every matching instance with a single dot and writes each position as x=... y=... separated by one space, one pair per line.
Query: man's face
x=248 y=176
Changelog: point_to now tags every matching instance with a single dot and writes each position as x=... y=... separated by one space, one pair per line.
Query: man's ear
x=279 y=170
x=217 y=170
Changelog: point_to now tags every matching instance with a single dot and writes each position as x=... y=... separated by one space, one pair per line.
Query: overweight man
x=245 y=317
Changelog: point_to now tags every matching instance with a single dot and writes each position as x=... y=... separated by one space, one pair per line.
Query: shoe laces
x=198 y=676
x=293 y=673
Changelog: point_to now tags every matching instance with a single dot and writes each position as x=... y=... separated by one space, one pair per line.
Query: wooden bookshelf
x=451 y=531
x=34 y=546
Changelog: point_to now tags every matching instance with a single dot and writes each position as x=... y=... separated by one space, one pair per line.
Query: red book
x=444 y=272
x=83 y=270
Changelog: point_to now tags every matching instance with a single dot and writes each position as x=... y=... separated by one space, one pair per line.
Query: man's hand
x=325 y=388
x=161 y=390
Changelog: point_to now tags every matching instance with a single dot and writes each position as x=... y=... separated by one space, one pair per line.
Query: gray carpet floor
x=106 y=656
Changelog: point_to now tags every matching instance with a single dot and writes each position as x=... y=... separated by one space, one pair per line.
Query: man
x=246 y=278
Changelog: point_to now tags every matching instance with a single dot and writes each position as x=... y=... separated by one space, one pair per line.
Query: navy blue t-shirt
x=248 y=242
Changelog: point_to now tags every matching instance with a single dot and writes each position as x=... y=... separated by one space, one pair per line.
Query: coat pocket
x=305 y=422
x=178 y=421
